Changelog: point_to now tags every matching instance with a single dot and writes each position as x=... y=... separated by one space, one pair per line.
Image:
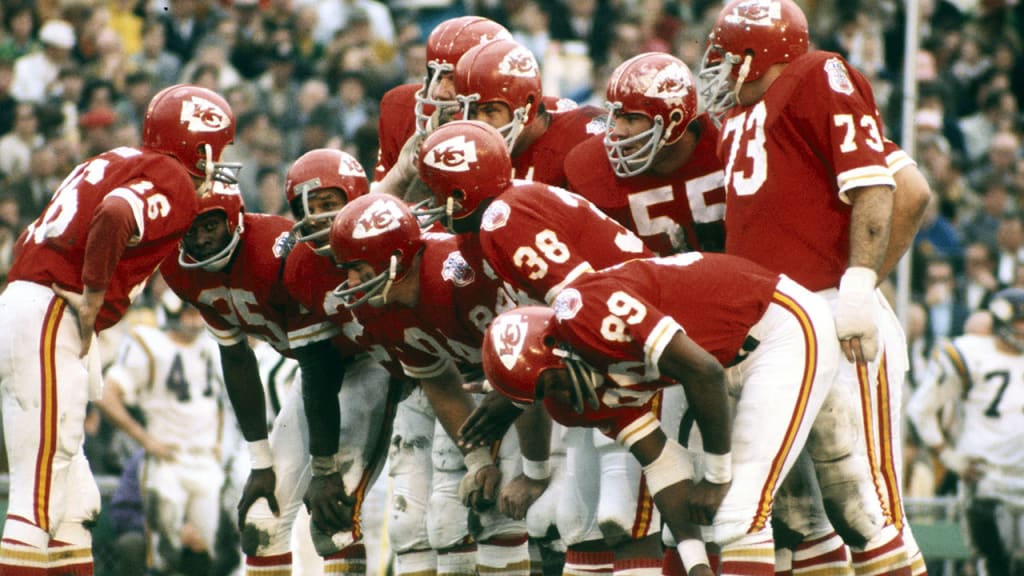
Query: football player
x=655 y=169
x=646 y=324
x=409 y=111
x=167 y=371
x=108 y=226
x=429 y=301
x=824 y=215
x=980 y=378
x=537 y=238
x=230 y=267
x=499 y=84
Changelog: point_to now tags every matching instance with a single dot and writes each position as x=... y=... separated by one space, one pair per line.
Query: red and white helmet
x=748 y=38
x=523 y=343
x=382 y=231
x=659 y=86
x=194 y=125
x=446 y=44
x=317 y=170
x=502 y=71
x=226 y=198
x=464 y=163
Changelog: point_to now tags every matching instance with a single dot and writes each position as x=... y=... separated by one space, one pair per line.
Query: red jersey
x=248 y=297
x=456 y=302
x=621 y=318
x=789 y=161
x=671 y=213
x=538 y=238
x=396 y=124
x=162 y=200
x=569 y=125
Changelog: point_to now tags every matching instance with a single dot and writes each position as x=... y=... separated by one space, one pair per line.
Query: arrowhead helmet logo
x=509 y=333
x=755 y=13
x=670 y=82
x=380 y=217
x=519 y=62
x=201 y=115
x=350 y=167
x=456 y=154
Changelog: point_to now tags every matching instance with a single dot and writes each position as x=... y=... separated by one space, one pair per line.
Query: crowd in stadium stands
x=75 y=77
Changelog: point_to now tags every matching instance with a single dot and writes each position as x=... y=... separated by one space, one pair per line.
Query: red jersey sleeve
x=396 y=124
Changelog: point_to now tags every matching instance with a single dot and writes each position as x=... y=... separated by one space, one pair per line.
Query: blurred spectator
x=97 y=93
x=20 y=22
x=7 y=101
x=212 y=57
x=357 y=48
x=1001 y=164
x=110 y=62
x=1009 y=247
x=937 y=236
x=313 y=95
x=35 y=72
x=278 y=89
x=127 y=519
x=16 y=146
x=978 y=283
x=185 y=26
x=127 y=23
x=161 y=64
x=270 y=195
x=335 y=15
x=67 y=98
x=131 y=106
x=587 y=21
x=353 y=105
x=413 y=59
x=982 y=223
x=98 y=130
x=530 y=25
x=249 y=49
x=34 y=189
x=242 y=98
x=979 y=128
x=10 y=227
x=946 y=314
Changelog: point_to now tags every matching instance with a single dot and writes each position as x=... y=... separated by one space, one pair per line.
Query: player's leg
x=586 y=554
x=546 y=547
x=44 y=387
x=783 y=384
x=165 y=503
x=447 y=518
x=204 y=478
x=368 y=401
x=411 y=470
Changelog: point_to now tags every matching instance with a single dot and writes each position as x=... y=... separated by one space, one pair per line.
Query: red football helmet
x=194 y=125
x=226 y=198
x=446 y=44
x=520 y=345
x=316 y=170
x=464 y=163
x=502 y=71
x=380 y=230
x=659 y=86
x=749 y=37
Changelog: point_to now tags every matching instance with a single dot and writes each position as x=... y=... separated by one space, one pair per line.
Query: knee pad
x=326 y=544
x=82 y=505
x=410 y=493
x=850 y=499
x=446 y=456
x=617 y=516
x=265 y=534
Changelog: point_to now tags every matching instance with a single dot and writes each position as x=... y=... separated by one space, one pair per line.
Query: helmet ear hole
x=549 y=341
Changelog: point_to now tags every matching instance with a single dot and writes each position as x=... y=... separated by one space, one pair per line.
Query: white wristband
x=718 y=468
x=476 y=459
x=859 y=279
x=536 y=469
x=260 y=455
x=693 y=553
x=324 y=465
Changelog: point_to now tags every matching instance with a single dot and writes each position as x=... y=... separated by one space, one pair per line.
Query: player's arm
x=533 y=428
x=453 y=405
x=703 y=379
x=113 y=225
x=908 y=206
x=113 y=407
x=942 y=384
x=245 y=391
x=322 y=372
x=668 y=470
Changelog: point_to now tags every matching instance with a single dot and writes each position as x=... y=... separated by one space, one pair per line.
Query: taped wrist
x=693 y=553
x=536 y=469
x=260 y=455
x=718 y=468
x=858 y=280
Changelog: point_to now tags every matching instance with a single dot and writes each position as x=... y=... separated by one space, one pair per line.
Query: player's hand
x=479 y=490
x=86 y=308
x=701 y=570
x=516 y=498
x=329 y=506
x=489 y=421
x=406 y=162
x=705 y=498
x=160 y=450
x=261 y=484
x=855 y=314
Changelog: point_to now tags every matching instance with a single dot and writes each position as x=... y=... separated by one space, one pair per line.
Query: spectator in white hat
x=36 y=71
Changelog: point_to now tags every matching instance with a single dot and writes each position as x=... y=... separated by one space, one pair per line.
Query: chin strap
x=584 y=379
x=381 y=299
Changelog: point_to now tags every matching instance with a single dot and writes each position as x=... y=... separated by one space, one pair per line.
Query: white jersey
x=987 y=386
x=178 y=387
